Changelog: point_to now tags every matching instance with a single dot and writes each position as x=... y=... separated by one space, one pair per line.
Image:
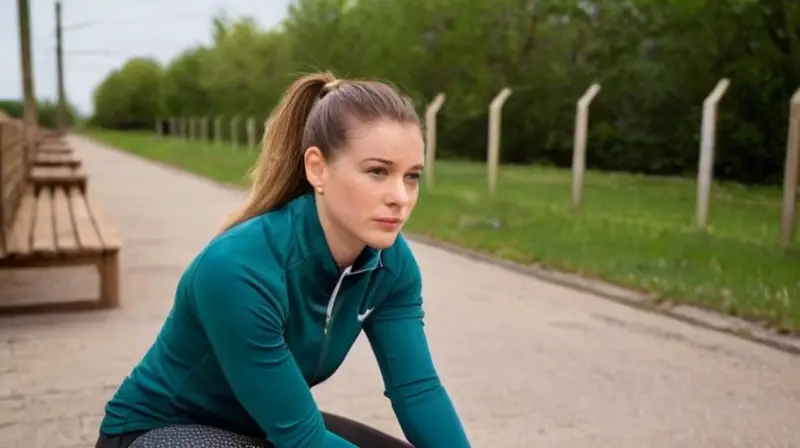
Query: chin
x=381 y=240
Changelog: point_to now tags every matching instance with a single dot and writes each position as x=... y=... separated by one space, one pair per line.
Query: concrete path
x=527 y=363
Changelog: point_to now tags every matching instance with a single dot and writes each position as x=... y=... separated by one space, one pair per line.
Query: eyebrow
x=418 y=166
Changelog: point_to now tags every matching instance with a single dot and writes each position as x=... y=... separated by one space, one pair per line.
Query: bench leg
x=109 y=280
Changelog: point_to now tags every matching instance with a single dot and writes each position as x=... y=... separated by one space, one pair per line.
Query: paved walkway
x=527 y=363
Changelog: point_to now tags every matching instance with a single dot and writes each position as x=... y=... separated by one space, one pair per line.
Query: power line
x=148 y=19
x=95 y=53
x=76 y=26
x=93 y=24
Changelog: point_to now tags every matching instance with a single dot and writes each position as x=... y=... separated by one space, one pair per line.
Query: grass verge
x=632 y=230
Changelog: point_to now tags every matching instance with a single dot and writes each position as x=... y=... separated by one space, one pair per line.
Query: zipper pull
x=327 y=327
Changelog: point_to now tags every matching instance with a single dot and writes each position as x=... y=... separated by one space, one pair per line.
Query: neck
x=343 y=246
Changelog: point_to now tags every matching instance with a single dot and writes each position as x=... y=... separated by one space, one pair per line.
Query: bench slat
x=49 y=145
x=108 y=234
x=12 y=176
x=64 y=229
x=13 y=153
x=55 y=172
x=55 y=157
x=57 y=175
x=87 y=235
x=43 y=231
x=19 y=242
x=11 y=188
x=14 y=166
x=58 y=150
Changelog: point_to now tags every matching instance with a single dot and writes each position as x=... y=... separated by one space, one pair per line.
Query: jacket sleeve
x=420 y=402
x=243 y=318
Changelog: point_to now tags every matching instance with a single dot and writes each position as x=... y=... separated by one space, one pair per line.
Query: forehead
x=397 y=142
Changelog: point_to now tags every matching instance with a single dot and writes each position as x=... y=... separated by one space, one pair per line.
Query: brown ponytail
x=278 y=175
x=315 y=111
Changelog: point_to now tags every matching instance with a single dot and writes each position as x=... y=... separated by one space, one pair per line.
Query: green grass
x=632 y=230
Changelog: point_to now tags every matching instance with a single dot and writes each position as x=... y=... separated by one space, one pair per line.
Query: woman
x=271 y=306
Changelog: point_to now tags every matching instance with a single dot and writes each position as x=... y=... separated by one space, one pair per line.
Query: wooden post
x=493 y=159
x=108 y=268
x=251 y=133
x=430 y=136
x=30 y=117
x=218 y=130
x=579 y=149
x=705 y=170
x=61 y=115
x=235 y=131
x=791 y=177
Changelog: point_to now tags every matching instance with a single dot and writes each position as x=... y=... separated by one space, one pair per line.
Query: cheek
x=413 y=195
x=413 y=192
x=355 y=194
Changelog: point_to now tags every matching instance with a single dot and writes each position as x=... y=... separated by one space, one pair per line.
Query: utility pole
x=29 y=98
x=61 y=113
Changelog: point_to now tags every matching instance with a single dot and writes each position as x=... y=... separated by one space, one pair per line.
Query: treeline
x=655 y=59
x=46 y=111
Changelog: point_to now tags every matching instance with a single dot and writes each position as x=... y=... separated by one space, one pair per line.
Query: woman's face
x=370 y=187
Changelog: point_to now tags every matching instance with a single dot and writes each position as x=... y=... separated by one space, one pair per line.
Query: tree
x=129 y=98
x=656 y=60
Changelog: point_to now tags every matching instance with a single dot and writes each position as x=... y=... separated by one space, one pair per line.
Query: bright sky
x=99 y=35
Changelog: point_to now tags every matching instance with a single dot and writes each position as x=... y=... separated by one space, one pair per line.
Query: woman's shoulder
x=266 y=237
x=399 y=258
x=254 y=251
x=243 y=261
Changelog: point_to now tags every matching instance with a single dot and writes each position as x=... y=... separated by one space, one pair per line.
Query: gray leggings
x=195 y=436
x=200 y=436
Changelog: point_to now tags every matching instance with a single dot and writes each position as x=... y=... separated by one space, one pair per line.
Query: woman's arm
x=243 y=318
x=396 y=334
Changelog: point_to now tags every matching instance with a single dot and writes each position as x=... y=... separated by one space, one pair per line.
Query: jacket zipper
x=329 y=320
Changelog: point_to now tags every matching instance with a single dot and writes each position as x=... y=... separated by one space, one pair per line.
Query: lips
x=389 y=220
x=388 y=223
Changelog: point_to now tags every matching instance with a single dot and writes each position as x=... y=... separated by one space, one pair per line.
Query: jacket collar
x=313 y=245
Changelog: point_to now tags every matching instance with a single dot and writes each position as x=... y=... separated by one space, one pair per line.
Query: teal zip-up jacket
x=263 y=314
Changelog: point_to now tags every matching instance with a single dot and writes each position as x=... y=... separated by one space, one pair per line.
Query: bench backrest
x=12 y=173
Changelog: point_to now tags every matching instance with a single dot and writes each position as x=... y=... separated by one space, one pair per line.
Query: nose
x=398 y=194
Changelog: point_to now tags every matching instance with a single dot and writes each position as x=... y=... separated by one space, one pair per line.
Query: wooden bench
x=12 y=176
x=52 y=163
x=48 y=159
x=53 y=146
x=47 y=133
x=52 y=225
x=50 y=142
x=63 y=176
x=53 y=151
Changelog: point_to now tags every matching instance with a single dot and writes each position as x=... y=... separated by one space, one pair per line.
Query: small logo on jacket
x=363 y=317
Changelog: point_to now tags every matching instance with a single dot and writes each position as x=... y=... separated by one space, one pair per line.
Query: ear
x=316 y=168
